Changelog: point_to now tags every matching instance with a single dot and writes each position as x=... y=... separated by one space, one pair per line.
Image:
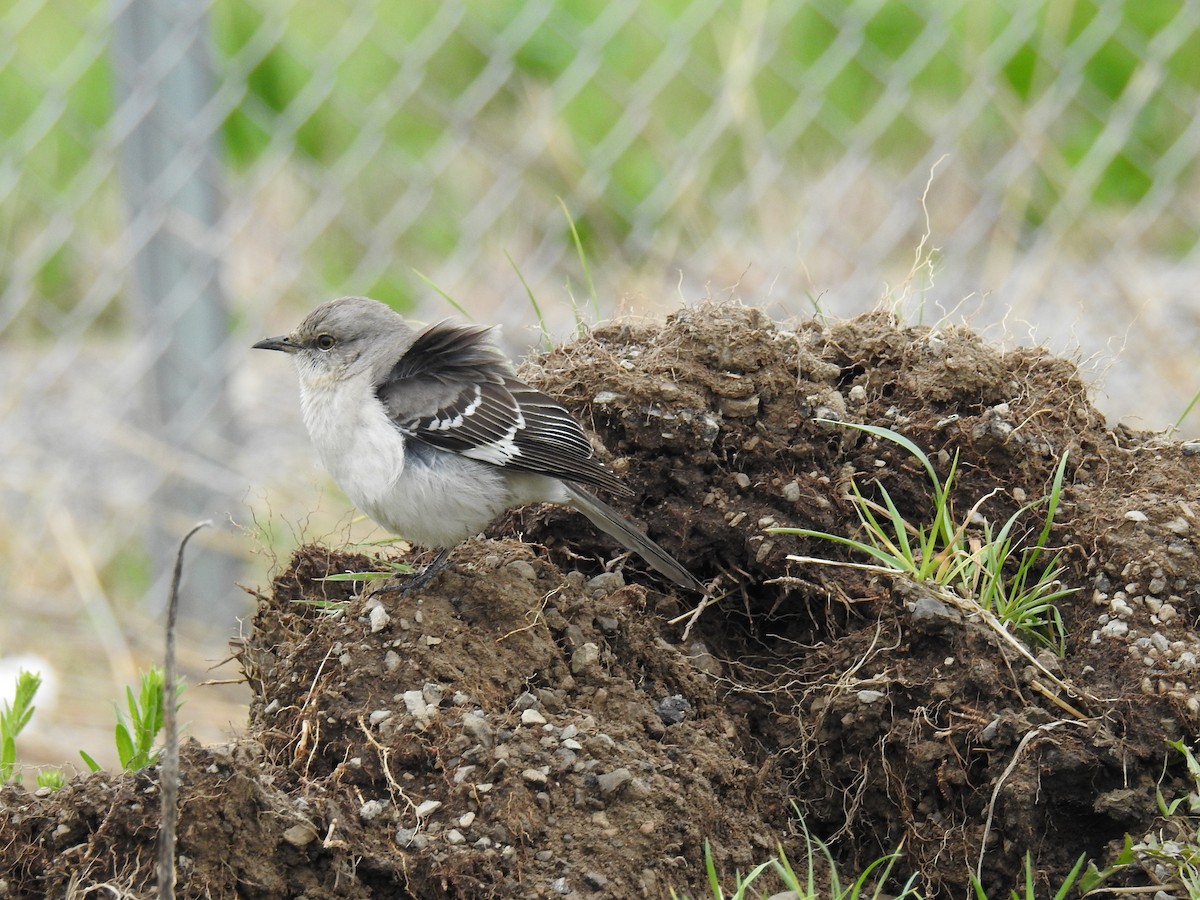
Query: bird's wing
x=453 y=390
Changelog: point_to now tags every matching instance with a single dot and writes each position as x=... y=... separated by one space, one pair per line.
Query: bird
x=429 y=431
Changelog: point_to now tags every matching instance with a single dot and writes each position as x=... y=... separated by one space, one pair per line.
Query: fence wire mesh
x=174 y=177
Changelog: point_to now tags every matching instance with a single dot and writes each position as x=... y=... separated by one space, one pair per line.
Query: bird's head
x=344 y=337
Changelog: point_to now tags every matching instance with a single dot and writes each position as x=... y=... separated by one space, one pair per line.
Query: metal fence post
x=171 y=178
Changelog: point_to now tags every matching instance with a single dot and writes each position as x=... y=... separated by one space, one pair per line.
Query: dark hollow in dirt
x=532 y=725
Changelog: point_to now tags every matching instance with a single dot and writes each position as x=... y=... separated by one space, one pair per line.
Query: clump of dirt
x=532 y=723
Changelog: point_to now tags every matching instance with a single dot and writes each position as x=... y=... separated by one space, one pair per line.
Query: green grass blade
x=537 y=310
x=583 y=263
x=462 y=312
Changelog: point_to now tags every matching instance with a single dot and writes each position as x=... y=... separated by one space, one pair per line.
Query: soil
x=534 y=724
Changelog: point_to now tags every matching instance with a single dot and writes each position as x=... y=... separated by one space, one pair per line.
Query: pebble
x=1115 y=628
x=371 y=809
x=605 y=583
x=391 y=660
x=414 y=702
x=411 y=837
x=585 y=658
x=432 y=693
x=466 y=820
x=300 y=835
x=454 y=836
x=534 y=776
x=380 y=715
x=569 y=732
x=1136 y=515
x=611 y=782
x=791 y=492
x=595 y=880
x=428 y=808
x=478 y=729
x=560 y=886
x=532 y=717
x=1166 y=613
x=932 y=615
x=672 y=710
x=524 y=569
x=868 y=697
x=379 y=618
x=742 y=480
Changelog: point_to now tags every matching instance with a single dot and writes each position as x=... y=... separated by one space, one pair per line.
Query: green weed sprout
x=14 y=718
x=809 y=889
x=1029 y=894
x=941 y=552
x=51 y=778
x=135 y=740
x=1176 y=849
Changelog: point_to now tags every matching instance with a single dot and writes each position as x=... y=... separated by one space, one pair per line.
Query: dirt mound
x=514 y=731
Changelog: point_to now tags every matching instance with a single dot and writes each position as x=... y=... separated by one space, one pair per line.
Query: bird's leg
x=418 y=581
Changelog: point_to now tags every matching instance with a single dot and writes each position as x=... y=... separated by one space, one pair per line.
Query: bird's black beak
x=283 y=342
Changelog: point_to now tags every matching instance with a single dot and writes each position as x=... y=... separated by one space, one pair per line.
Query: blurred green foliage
x=740 y=81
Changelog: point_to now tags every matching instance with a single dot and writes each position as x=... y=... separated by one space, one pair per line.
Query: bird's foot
x=418 y=581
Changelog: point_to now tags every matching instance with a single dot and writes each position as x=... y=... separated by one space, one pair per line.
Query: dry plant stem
x=170 y=755
x=987 y=825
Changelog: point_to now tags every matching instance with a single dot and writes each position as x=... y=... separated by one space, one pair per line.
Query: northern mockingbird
x=431 y=434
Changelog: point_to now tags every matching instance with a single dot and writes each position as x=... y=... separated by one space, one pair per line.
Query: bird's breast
x=357 y=442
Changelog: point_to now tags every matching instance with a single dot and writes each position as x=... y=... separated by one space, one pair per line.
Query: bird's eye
x=325 y=341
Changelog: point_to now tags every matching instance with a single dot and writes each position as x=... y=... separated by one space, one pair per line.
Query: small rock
x=1136 y=515
x=1190 y=448
x=427 y=808
x=478 y=729
x=532 y=717
x=535 y=777
x=611 y=782
x=595 y=881
x=454 y=836
x=412 y=838
x=672 y=710
x=564 y=758
x=466 y=820
x=738 y=409
x=742 y=480
x=432 y=693
x=932 y=615
x=1115 y=628
x=868 y=696
x=605 y=583
x=791 y=492
x=608 y=624
x=414 y=702
x=378 y=618
x=371 y=809
x=300 y=834
x=585 y=659
x=560 y=886
x=524 y=569
x=379 y=715
x=391 y=660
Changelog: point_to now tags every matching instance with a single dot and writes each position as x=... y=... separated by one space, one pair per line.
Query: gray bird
x=431 y=434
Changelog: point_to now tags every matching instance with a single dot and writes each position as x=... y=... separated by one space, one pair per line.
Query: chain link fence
x=180 y=179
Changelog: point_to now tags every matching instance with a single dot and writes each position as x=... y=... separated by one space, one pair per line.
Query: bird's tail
x=631 y=537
